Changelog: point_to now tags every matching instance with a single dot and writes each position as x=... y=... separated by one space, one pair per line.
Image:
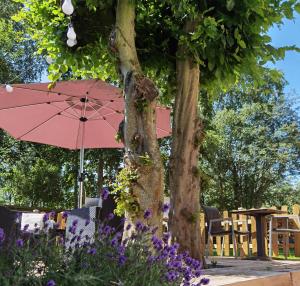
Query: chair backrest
x=8 y=222
x=213 y=213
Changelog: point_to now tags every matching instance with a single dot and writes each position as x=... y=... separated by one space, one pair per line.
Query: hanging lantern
x=68 y=7
x=71 y=33
x=9 y=88
x=71 y=43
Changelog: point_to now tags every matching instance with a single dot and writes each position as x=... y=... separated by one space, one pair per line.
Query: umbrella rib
x=34 y=104
x=104 y=105
x=40 y=124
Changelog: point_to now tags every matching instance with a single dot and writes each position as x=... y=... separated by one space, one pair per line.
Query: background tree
x=251 y=146
x=175 y=40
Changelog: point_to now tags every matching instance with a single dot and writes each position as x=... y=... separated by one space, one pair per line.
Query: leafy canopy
x=229 y=38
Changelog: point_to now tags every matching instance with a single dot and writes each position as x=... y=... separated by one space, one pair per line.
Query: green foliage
x=47 y=24
x=125 y=199
x=229 y=38
x=18 y=62
x=251 y=145
x=40 y=258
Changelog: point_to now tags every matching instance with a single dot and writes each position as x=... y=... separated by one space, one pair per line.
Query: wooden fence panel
x=253 y=236
x=227 y=241
x=296 y=211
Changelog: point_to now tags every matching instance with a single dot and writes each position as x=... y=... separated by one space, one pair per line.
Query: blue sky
x=289 y=34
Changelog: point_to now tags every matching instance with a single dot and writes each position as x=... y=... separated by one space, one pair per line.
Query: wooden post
x=227 y=242
x=236 y=227
x=274 y=237
x=244 y=238
x=253 y=236
x=296 y=211
x=286 y=245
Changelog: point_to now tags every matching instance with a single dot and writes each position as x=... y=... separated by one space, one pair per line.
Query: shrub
x=40 y=259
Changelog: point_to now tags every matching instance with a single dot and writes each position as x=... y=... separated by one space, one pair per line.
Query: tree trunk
x=184 y=175
x=142 y=155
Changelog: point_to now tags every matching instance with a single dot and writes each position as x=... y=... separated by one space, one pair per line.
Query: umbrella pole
x=81 y=178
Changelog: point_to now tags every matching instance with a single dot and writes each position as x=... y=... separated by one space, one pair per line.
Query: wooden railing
x=286 y=245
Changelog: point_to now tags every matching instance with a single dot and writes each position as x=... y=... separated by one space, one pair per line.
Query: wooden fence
x=278 y=240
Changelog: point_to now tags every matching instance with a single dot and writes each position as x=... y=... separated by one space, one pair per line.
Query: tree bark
x=142 y=153
x=184 y=175
x=100 y=172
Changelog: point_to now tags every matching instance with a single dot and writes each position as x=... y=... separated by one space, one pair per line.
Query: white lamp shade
x=71 y=33
x=68 y=7
x=9 y=88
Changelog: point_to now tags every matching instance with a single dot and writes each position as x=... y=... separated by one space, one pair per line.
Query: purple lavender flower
x=45 y=217
x=26 y=226
x=122 y=259
x=52 y=214
x=20 y=242
x=72 y=229
x=139 y=226
x=51 y=283
x=165 y=207
x=65 y=215
x=147 y=214
x=128 y=227
x=92 y=251
x=75 y=222
x=204 y=281
x=105 y=193
x=87 y=222
x=110 y=216
x=2 y=235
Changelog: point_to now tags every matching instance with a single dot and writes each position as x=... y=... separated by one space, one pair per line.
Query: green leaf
x=230 y=4
x=297 y=8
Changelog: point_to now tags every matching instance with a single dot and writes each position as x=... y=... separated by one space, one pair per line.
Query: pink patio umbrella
x=75 y=114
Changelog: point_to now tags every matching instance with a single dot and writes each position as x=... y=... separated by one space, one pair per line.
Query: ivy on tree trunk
x=142 y=154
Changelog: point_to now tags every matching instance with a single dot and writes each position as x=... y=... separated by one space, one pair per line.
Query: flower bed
x=40 y=258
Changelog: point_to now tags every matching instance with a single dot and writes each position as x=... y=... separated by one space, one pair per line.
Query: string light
x=71 y=43
x=9 y=88
x=67 y=7
x=71 y=33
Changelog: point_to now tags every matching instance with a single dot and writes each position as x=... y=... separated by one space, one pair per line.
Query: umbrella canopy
x=74 y=114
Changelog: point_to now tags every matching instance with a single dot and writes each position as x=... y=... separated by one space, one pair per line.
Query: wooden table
x=259 y=215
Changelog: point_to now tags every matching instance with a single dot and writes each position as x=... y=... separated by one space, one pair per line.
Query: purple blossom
x=52 y=214
x=204 y=281
x=87 y=222
x=147 y=214
x=105 y=193
x=139 y=225
x=75 y=222
x=26 y=226
x=92 y=251
x=165 y=207
x=2 y=235
x=45 y=217
x=122 y=259
x=72 y=229
x=128 y=227
x=51 y=283
x=110 y=216
x=65 y=215
x=20 y=242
